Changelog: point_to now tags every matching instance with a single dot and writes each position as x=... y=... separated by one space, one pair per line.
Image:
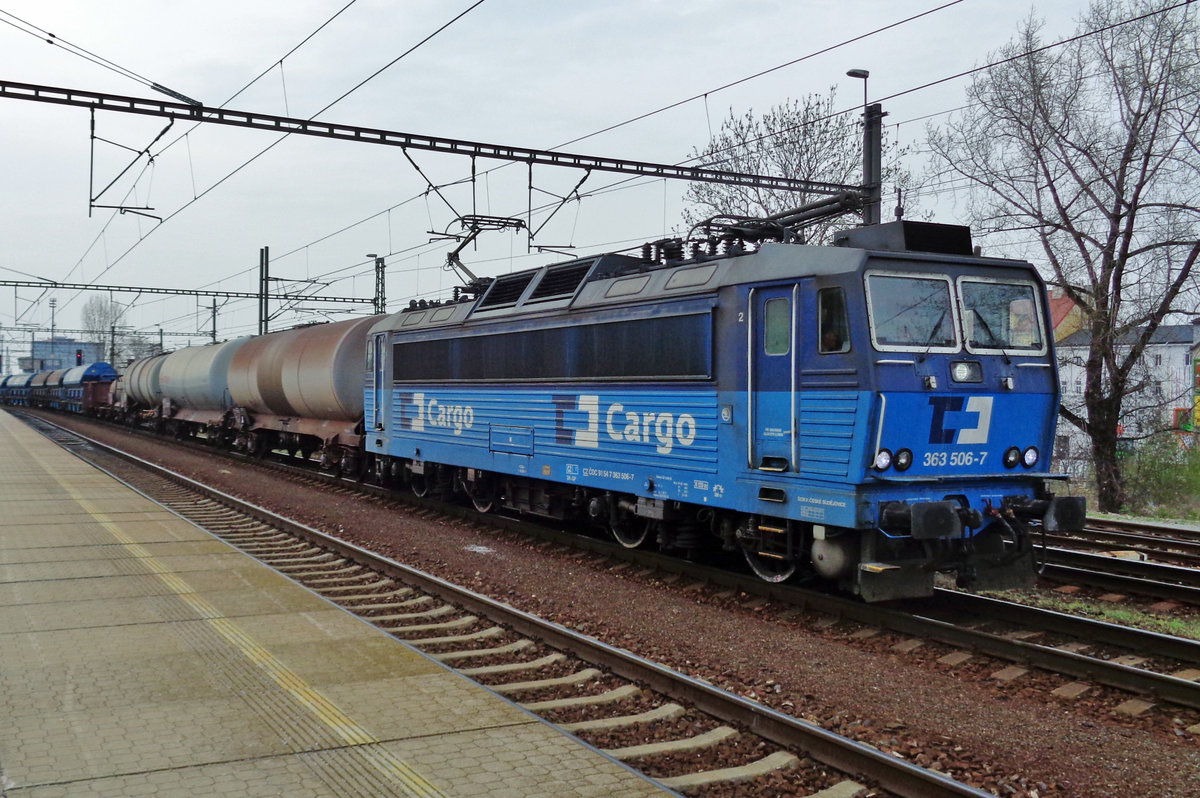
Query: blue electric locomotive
x=871 y=413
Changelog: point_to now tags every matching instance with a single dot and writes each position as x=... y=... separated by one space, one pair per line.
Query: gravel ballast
x=1010 y=739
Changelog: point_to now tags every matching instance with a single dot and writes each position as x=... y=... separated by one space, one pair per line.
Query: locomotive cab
x=958 y=371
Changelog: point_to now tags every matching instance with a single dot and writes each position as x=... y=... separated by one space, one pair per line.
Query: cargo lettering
x=435 y=414
x=664 y=430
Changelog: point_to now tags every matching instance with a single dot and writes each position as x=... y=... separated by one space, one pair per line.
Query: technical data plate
x=139 y=655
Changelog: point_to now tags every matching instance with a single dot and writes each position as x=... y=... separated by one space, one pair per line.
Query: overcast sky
x=528 y=73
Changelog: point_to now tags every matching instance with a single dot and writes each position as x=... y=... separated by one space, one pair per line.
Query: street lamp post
x=872 y=152
x=861 y=74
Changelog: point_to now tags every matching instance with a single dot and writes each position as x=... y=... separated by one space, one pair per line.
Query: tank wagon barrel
x=141 y=380
x=309 y=372
x=301 y=390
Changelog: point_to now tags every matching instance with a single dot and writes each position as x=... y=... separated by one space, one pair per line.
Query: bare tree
x=99 y=314
x=802 y=138
x=1091 y=149
x=101 y=317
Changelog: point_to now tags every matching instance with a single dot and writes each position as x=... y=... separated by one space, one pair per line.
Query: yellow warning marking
x=302 y=693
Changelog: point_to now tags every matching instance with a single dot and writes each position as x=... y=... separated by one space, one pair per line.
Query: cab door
x=378 y=387
x=771 y=381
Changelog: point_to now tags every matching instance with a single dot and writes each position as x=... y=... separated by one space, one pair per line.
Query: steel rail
x=1100 y=564
x=1094 y=631
x=1166 y=548
x=1151 y=527
x=1121 y=583
x=841 y=753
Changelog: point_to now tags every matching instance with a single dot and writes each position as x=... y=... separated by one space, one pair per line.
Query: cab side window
x=834 y=323
x=777 y=326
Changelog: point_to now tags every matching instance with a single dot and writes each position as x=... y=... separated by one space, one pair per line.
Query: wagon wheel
x=484 y=505
x=260 y=445
x=631 y=531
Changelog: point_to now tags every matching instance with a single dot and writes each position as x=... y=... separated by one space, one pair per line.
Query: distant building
x=61 y=353
x=1163 y=386
x=1064 y=314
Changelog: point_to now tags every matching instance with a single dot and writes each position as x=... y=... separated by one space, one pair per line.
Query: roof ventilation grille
x=561 y=281
x=506 y=290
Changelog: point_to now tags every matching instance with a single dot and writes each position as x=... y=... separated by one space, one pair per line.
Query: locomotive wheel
x=630 y=531
x=482 y=504
x=419 y=485
x=483 y=495
x=768 y=568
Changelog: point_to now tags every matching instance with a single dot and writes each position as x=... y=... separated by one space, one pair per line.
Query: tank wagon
x=194 y=387
x=870 y=413
x=299 y=390
x=138 y=396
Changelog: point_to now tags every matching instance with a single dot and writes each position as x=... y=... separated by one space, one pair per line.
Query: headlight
x=883 y=460
x=966 y=371
x=1030 y=457
x=904 y=459
x=1012 y=456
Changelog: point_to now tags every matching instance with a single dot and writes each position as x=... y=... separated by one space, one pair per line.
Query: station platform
x=141 y=656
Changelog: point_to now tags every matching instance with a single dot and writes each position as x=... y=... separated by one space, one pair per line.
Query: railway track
x=1129 y=577
x=1129 y=557
x=1168 y=549
x=1156 y=667
x=591 y=689
x=1147 y=528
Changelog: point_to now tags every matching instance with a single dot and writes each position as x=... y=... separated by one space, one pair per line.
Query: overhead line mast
x=307 y=127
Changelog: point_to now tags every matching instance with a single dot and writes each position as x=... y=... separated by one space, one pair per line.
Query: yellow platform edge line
x=387 y=763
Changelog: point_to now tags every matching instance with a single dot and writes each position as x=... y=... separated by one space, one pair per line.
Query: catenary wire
x=266 y=149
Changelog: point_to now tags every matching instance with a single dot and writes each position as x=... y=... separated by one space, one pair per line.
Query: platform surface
x=141 y=656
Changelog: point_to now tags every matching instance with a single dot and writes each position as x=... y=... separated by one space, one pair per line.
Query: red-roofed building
x=1065 y=317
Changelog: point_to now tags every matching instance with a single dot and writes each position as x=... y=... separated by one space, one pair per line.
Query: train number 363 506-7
x=954 y=459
